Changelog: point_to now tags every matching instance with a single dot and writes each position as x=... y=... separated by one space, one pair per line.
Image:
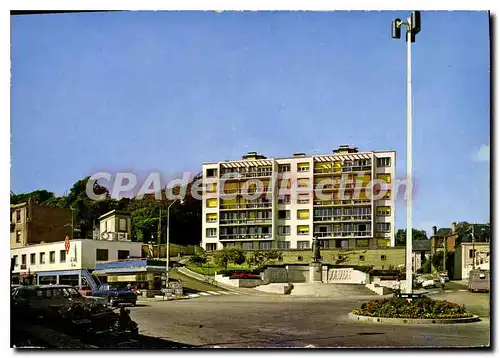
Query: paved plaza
x=285 y=321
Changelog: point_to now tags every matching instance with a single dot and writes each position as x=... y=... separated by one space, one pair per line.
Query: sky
x=166 y=91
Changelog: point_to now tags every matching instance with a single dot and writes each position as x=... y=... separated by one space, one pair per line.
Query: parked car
x=429 y=283
x=479 y=280
x=39 y=298
x=114 y=294
x=444 y=279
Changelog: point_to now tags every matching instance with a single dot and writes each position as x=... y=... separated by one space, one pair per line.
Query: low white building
x=469 y=256
x=51 y=263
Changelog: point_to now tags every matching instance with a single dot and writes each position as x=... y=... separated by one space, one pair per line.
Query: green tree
x=237 y=256
x=437 y=261
x=198 y=260
x=259 y=259
x=221 y=258
x=416 y=235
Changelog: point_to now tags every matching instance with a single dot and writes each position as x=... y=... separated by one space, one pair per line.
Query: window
x=62 y=256
x=33 y=259
x=23 y=259
x=212 y=203
x=15 y=259
x=324 y=244
x=361 y=258
x=123 y=254
x=303 y=167
x=384 y=177
x=303 y=230
x=383 y=257
x=303 y=183
x=122 y=225
x=284 y=230
x=211 y=187
x=18 y=236
x=384 y=211
x=283 y=214
x=52 y=257
x=212 y=218
x=302 y=244
x=211 y=172
x=384 y=162
x=283 y=245
x=303 y=214
x=101 y=254
x=303 y=199
x=18 y=216
x=285 y=199
x=211 y=247
x=383 y=227
x=211 y=232
x=362 y=243
x=265 y=245
x=284 y=168
x=247 y=246
x=471 y=253
x=42 y=258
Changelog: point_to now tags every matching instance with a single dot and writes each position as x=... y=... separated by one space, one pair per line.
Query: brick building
x=33 y=224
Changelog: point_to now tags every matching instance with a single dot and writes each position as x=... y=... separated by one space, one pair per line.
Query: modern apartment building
x=263 y=203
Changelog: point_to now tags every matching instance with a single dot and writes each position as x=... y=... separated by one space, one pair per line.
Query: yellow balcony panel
x=212 y=203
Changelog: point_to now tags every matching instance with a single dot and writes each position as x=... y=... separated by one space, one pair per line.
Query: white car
x=429 y=283
x=420 y=279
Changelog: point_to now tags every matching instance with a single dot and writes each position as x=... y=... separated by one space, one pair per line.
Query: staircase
x=339 y=290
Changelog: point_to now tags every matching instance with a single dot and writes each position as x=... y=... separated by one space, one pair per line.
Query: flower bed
x=245 y=275
x=421 y=308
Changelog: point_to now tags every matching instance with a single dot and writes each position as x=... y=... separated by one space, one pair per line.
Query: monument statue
x=316 y=250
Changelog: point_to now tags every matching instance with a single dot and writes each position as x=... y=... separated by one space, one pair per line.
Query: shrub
x=197 y=259
x=417 y=308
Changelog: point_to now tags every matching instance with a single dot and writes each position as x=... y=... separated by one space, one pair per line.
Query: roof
x=443 y=232
x=422 y=245
x=319 y=157
x=114 y=212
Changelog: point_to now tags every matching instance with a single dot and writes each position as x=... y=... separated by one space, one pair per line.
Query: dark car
x=39 y=298
x=115 y=294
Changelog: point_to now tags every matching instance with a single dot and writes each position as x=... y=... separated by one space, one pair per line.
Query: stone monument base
x=315 y=272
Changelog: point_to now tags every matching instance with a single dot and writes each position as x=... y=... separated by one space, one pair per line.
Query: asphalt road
x=285 y=321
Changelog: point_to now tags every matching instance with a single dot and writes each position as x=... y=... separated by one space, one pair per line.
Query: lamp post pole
x=412 y=28
x=168 y=234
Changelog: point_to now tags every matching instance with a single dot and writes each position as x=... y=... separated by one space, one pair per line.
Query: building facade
x=470 y=256
x=51 y=263
x=33 y=223
x=115 y=225
x=264 y=203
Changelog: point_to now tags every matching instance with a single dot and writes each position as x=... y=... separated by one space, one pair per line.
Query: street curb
x=355 y=317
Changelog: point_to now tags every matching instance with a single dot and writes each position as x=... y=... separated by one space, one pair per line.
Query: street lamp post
x=168 y=234
x=412 y=24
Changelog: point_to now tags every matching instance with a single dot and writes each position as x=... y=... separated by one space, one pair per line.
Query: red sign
x=66 y=244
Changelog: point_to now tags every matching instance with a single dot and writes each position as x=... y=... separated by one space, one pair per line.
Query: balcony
x=336 y=234
x=356 y=168
x=248 y=221
x=245 y=237
x=245 y=206
x=343 y=218
x=341 y=202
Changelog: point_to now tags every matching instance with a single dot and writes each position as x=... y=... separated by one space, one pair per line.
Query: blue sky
x=166 y=91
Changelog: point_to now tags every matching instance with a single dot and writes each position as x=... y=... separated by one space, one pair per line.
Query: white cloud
x=483 y=154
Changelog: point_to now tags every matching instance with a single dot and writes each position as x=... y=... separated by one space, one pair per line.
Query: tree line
x=185 y=219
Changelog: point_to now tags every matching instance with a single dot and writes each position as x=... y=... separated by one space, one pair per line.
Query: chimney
x=434 y=231
x=453 y=227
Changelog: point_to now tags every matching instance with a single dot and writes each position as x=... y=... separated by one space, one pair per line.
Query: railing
x=245 y=206
x=341 y=202
x=342 y=234
x=260 y=190
x=245 y=237
x=246 y=221
x=342 y=169
x=343 y=218
x=302 y=201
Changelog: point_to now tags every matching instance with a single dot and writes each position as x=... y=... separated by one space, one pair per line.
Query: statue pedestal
x=315 y=272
